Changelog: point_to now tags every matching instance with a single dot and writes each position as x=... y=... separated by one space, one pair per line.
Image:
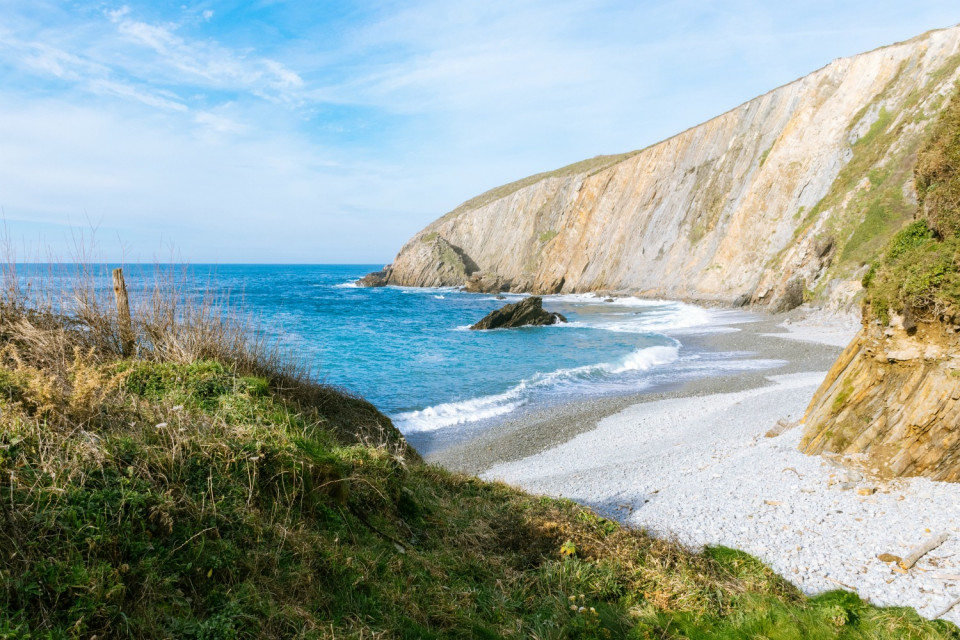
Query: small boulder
x=527 y=312
x=792 y=296
x=375 y=279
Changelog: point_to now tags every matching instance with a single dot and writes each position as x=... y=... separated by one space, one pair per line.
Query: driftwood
x=923 y=549
x=947 y=609
x=782 y=425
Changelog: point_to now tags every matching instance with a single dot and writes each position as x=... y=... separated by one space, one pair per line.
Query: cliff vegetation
x=894 y=395
x=920 y=273
x=193 y=484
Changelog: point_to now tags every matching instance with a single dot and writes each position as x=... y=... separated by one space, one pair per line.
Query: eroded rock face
x=480 y=282
x=527 y=312
x=428 y=260
x=894 y=395
x=724 y=211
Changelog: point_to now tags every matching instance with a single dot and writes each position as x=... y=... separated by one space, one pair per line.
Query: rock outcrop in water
x=527 y=312
x=375 y=279
x=794 y=190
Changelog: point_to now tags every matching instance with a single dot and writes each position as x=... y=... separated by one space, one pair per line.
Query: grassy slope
x=920 y=270
x=203 y=497
x=587 y=167
x=867 y=198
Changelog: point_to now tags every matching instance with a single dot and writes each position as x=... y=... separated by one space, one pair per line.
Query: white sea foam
x=423 y=290
x=449 y=414
x=476 y=409
x=666 y=317
x=622 y=315
x=347 y=285
x=625 y=301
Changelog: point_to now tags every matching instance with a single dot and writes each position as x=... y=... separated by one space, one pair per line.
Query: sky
x=273 y=131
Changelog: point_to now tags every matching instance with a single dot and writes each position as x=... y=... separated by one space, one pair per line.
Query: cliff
x=894 y=395
x=791 y=192
x=895 y=398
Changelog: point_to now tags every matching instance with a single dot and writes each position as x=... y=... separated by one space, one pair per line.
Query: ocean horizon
x=409 y=350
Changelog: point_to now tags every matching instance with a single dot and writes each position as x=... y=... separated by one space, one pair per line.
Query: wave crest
x=477 y=409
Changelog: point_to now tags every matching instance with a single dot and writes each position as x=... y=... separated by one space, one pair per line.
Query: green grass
x=763 y=156
x=841 y=400
x=199 y=499
x=547 y=236
x=920 y=270
x=937 y=175
x=871 y=216
x=866 y=201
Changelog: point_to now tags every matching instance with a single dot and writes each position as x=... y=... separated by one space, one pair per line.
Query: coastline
x=693 y=464
x=763 y=337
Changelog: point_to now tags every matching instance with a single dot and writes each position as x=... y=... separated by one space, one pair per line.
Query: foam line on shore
x=477 y=409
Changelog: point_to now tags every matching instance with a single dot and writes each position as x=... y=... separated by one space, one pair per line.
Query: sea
x=410 y=352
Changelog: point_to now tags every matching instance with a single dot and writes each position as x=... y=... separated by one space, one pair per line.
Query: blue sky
x=282 y=131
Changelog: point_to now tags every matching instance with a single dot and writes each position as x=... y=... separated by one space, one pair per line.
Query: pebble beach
x=708 y=465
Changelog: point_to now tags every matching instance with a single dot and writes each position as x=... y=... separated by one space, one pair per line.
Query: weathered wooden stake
x=123 y=312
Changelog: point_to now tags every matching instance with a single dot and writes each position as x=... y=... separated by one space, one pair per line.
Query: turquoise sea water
x=408 y=351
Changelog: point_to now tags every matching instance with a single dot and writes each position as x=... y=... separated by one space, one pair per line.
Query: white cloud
x=159 y=99
x=339 y=142
x=47 y=59
x=117 y=14
x=206 y=63
x=246 y=196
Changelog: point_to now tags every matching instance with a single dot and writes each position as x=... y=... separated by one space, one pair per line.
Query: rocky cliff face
x=894 y=397
x=778 y=195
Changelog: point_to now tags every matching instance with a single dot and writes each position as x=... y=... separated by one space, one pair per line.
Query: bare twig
x=947 y=609
x=188 y=540
x=845 y=586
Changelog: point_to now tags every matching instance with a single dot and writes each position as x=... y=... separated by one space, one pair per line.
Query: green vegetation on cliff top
x=201 y=489
x=921 y=268
x=586 y=167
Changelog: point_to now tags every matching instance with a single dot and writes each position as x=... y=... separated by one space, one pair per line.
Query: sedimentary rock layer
x=894 y=397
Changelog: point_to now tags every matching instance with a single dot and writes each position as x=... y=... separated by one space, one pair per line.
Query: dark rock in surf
x=527 y=312
x=375 y=279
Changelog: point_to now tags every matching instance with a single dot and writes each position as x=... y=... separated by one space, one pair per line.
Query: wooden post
x=123 y=313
